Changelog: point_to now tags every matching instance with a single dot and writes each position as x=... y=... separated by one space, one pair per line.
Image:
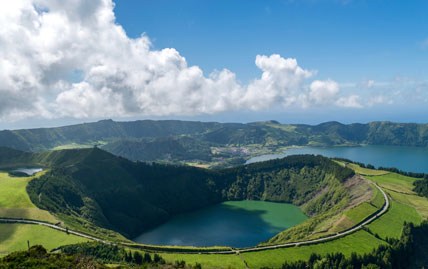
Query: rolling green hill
x=194 y=141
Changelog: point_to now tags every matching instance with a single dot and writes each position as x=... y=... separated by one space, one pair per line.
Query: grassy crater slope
x=95 y=188
x=406 y=206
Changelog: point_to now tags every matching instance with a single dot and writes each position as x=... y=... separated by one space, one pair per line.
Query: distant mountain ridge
x=149 y=140
x=46 y=138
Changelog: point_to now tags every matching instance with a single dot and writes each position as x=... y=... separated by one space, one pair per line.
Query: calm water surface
x=411 y=159
x=236 y=224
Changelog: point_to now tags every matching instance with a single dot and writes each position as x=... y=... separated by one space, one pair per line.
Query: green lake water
x=235 y=223
x=410 y=159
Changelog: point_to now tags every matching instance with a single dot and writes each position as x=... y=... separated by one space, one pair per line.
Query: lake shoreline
x=405 y=158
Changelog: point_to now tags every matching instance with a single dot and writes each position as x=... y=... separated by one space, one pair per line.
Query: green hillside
x=92 y=133
x=209 y=142
x=15 y=201
x=164 y=148
x=94 y=191
x=94 y=188
x=383 y=242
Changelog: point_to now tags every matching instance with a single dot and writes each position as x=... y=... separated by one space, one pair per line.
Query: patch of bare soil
x=359 y=189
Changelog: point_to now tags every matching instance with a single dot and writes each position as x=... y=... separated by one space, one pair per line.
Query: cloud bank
x=71 y=59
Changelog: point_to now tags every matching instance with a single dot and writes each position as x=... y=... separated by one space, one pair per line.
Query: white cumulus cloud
x=322 y=92
x=280 y=81
x=71 y=59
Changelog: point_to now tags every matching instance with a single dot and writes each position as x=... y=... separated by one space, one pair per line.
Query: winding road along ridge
x=351 y=230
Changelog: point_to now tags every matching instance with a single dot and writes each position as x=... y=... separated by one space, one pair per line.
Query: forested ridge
x=174 y=141
x=97 y=188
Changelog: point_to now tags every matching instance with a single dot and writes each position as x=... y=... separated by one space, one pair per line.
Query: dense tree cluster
x=88 y=255
x=421 y=187
x=112 y=254
x=404 y=173
x=38 y=257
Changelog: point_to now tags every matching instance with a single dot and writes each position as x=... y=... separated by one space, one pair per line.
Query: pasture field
x=15 y=202
x=13 y=237
x=13 y=193
x=420 y=204
x=72 y=146
x=79 y=146
x=365 y=171
x=391 y=224
x=359 y=213
x=360 y=242
x=395 y=182
x=378 y=200
x=400 y=189
x=405 y=205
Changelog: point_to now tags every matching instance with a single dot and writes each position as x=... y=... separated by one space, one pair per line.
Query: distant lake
x=28 y=171
x=236 y=224
x=411 y=159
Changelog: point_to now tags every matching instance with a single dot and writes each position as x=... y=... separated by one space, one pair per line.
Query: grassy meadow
x=13 y=237
x=365 y=171
x=15 y=202
x=360 y=242
x=406 y=206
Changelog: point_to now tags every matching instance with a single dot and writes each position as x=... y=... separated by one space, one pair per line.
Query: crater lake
x=233 y=223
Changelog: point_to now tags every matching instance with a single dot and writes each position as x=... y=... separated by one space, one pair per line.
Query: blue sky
x=295 y=61
x=344 y=40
